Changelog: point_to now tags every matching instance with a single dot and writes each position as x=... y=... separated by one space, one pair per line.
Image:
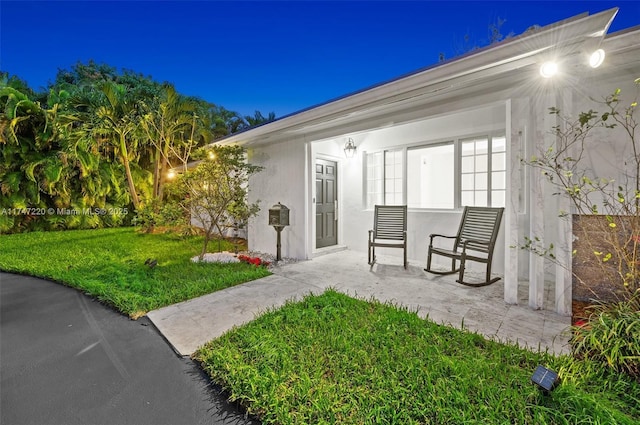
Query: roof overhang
x=496 y=67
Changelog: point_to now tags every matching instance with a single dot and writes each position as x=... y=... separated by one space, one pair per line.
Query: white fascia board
x=489 y=62
x=622 y=58
x=622 y=41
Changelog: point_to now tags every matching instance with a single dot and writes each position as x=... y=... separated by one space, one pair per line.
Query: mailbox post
x=278 y=218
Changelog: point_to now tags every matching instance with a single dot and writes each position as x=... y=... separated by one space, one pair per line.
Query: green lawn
x=332 y=359
x=109 y=265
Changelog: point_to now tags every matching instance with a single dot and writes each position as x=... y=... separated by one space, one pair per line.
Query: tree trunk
x=125 y=161
x=163 y=169
x=156 y=175
x=207 y=237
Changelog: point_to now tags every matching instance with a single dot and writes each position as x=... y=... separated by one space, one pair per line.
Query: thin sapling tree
x=214 y=193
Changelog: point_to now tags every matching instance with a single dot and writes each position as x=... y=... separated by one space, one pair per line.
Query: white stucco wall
x=283 y=180
x=609 y=150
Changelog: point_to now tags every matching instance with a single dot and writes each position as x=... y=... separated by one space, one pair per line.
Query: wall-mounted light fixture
x=350 y=148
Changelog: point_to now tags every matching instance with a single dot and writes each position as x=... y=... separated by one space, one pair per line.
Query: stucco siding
x=282 y=180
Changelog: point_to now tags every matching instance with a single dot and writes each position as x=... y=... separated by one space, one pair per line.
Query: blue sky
x=275 y=56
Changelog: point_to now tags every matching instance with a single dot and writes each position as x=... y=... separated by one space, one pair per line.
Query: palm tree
x=111 y=119
x=23 y=125
x=258 y=118
x=223 y=122
x=37 y=167
x=173 y=130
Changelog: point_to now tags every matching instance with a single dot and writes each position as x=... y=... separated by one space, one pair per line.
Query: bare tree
x=215 y=192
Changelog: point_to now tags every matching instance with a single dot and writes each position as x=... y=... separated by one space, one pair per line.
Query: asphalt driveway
x=67 y=359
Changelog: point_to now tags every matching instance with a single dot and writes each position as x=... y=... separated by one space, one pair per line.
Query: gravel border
x=230 y=257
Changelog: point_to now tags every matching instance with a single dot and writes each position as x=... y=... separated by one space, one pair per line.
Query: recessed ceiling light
x=596 y=58
x=548 y=69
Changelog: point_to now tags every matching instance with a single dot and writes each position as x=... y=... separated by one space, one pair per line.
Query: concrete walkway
x=190 y=324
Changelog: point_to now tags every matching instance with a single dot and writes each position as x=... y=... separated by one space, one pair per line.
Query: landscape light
x=171 y=174
x=545 y=379
x=548 y=69
x=596 y=58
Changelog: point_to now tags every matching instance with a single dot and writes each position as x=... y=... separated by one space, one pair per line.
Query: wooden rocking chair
x=389 y=230
x=477 y=233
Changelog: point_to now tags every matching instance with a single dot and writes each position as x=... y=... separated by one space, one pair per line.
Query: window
x=393 y=178
x=430 y=177
x=385 y=178
x=483 y=171
x=375 y=194
x=448 y=175
x=498 y=171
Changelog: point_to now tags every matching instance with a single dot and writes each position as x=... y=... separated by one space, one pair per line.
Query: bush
x=157 y=214
x=612 y=336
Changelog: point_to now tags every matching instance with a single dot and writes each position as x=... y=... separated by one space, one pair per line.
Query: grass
x=333 y=359
x=109 y=265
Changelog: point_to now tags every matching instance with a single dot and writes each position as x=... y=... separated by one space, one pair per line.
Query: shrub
x=612 y=336
x=256 y=261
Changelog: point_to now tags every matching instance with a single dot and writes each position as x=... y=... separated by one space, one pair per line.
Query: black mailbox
x=278 y=218
x=279 y=215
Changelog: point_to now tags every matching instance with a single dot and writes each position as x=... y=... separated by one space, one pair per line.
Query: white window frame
x=490 y=171
x=373 y=181
x=434 y=166
x=399 y=194
x=457 y=175
x=378 y=195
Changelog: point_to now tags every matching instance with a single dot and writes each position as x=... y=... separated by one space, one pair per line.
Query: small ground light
x=545 y=378
x=548 y=69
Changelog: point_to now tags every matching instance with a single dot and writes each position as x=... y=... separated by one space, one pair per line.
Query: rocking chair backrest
x=481 y=224
x=390 y=222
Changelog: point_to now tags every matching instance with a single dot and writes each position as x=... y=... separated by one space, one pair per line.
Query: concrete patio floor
x=190 y=324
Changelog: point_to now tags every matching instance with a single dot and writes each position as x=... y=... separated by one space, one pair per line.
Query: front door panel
x=326 y=197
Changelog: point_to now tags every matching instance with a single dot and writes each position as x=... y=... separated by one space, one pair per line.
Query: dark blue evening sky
x=275 y=56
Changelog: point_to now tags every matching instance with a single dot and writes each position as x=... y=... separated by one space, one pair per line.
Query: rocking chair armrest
x=435 y=235
x=370 y=235
x=474 y=241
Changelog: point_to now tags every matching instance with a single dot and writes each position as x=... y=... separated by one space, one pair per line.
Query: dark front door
x=326 y=200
